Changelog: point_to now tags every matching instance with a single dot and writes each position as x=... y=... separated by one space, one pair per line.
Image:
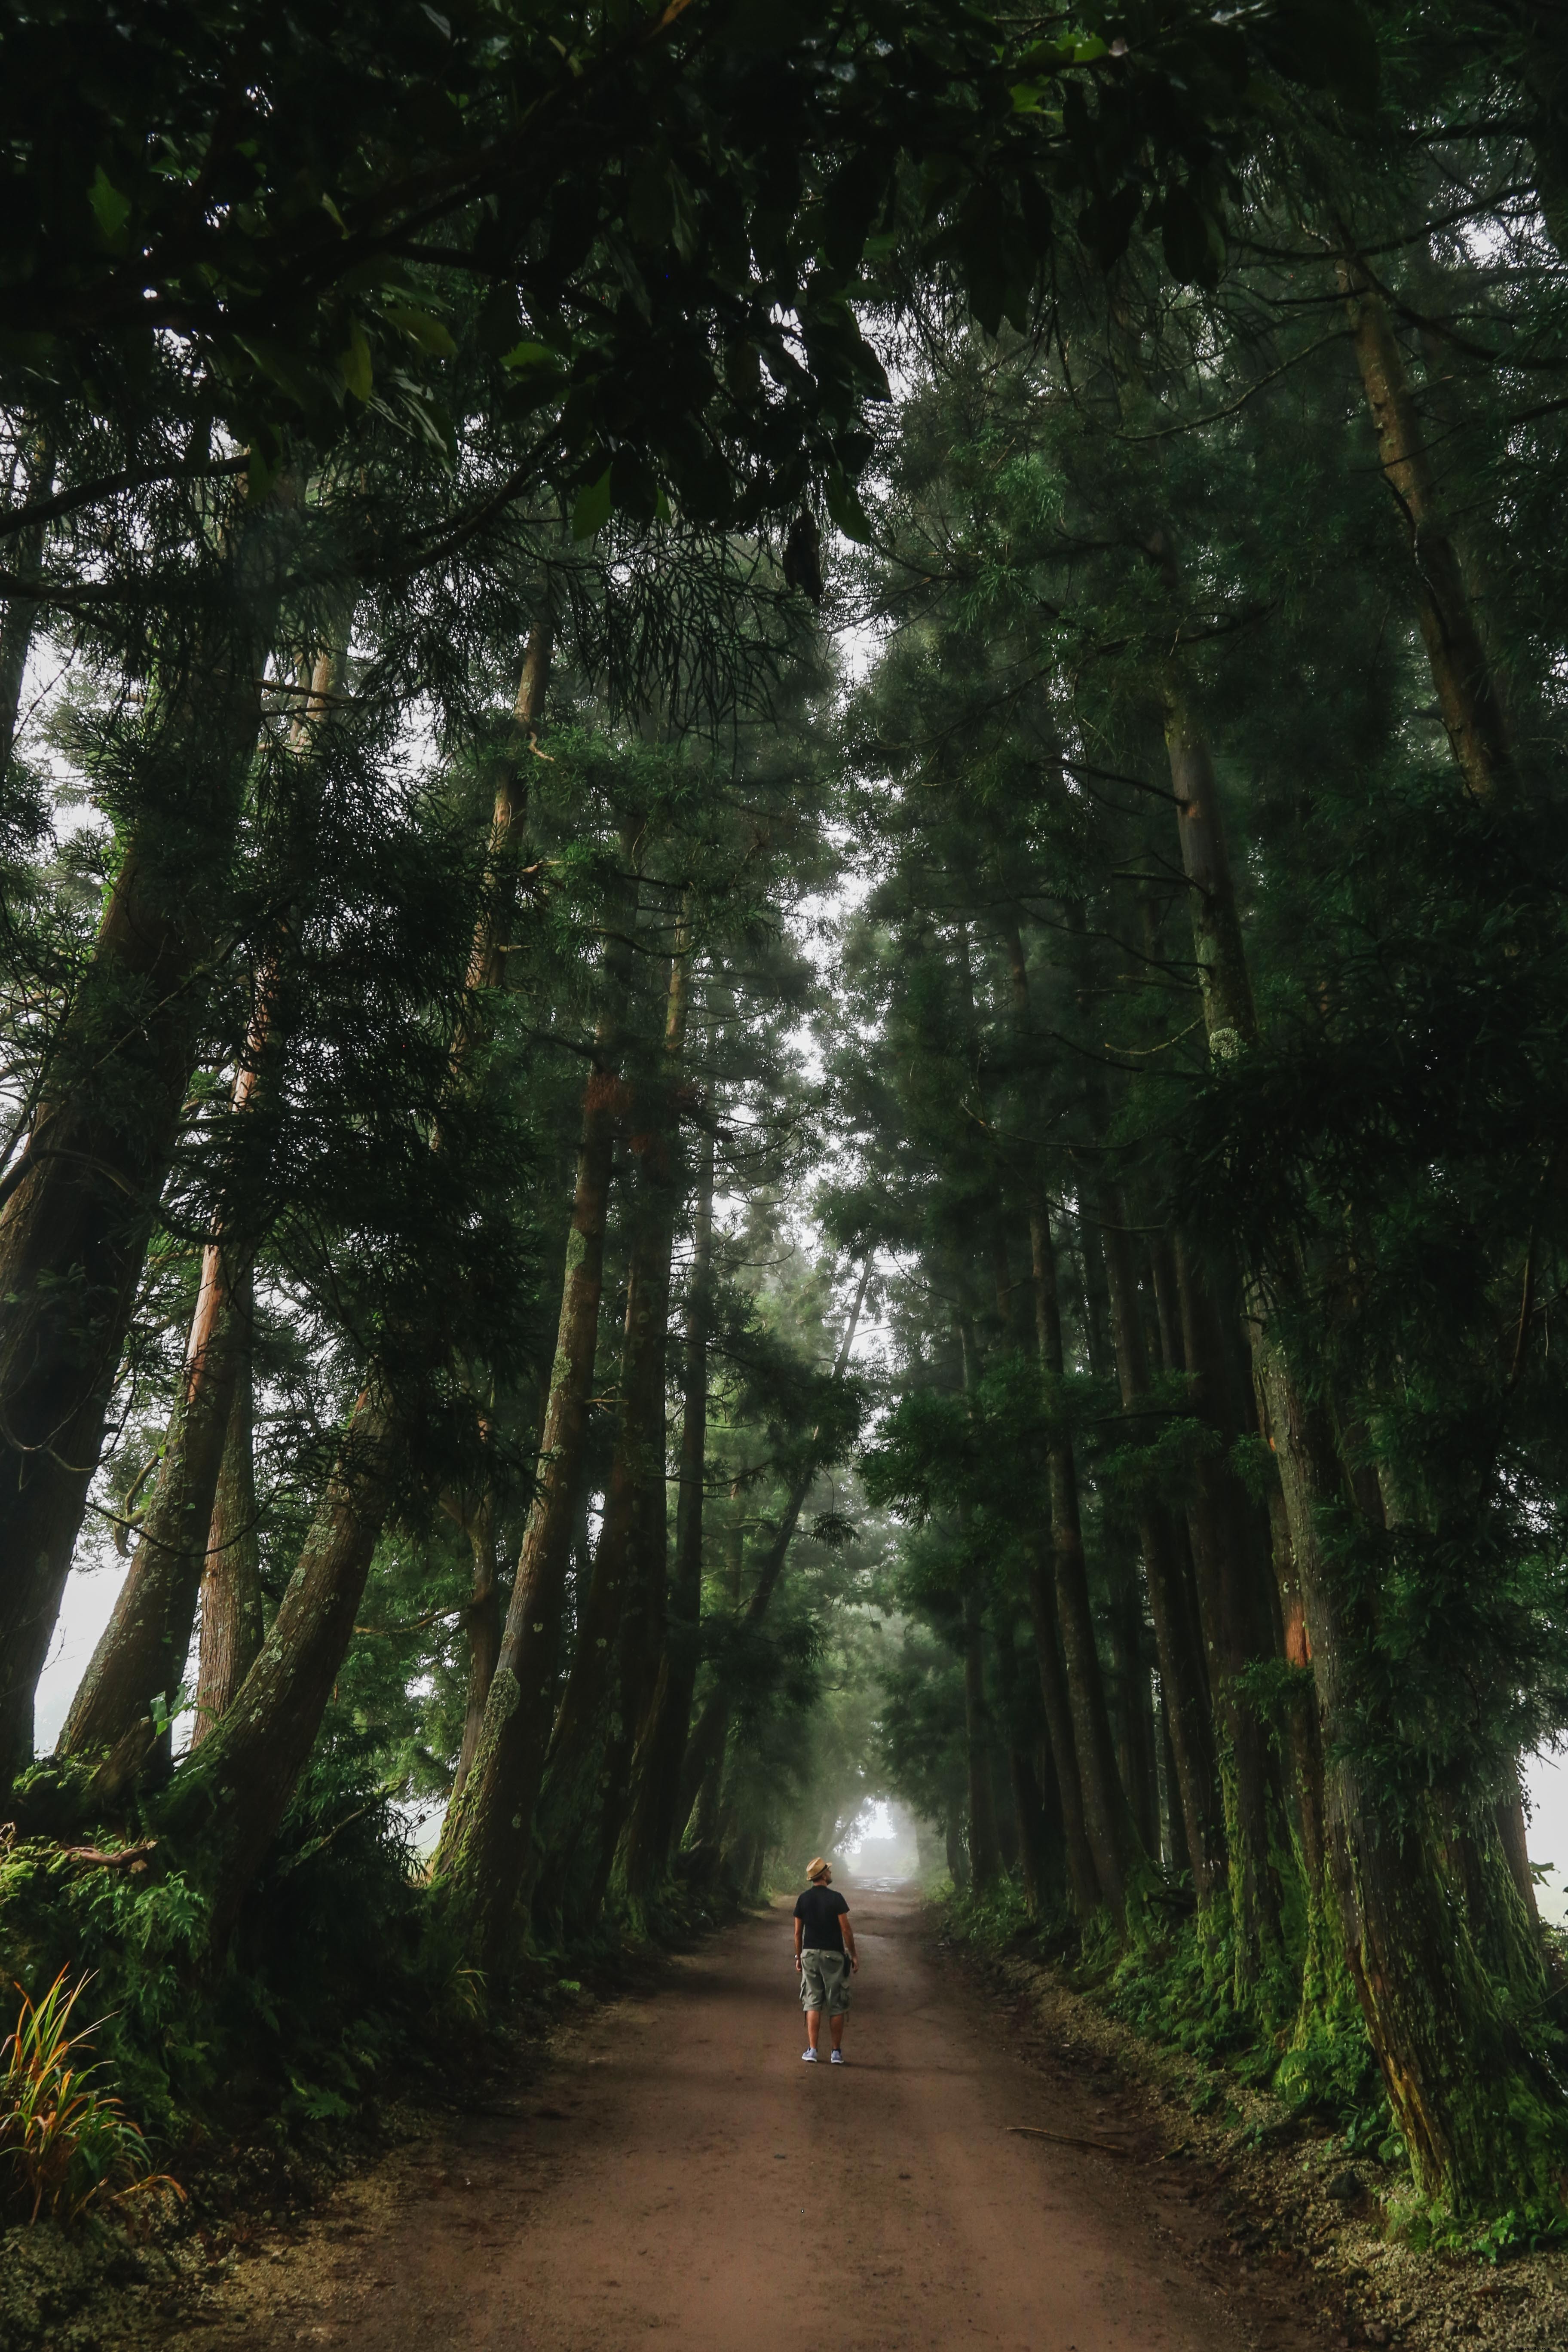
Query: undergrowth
x=1174 y=1990
x=339 y=1985
x=67 y=2144
x=328 y=1978
x=1173 y=1987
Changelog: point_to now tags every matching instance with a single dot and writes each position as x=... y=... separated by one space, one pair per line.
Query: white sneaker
x=838 y=2058
x=809 y=2057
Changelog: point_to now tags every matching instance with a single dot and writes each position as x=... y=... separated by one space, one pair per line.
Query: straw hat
x=817 y=1869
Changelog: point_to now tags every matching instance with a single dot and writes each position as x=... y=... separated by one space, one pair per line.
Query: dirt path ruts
x=681 y=2169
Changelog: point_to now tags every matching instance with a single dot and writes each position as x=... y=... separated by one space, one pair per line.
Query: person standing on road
x=824 y=1956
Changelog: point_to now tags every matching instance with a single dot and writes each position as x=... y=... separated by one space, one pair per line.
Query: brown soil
x=681 y=2169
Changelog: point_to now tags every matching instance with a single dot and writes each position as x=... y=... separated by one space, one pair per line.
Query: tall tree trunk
x=236 y=1790
x=1452 y=2062
x=1131 y=1695
x=624 y=1609
x=1509 y=1813
x=27 y=551
x=653 y=1826
x=1083 y=1879
x=709 y=1734
x=1468 y=696
x=79 y=1201
x=142 y=1651
x=1230 y=1595
x=225 y=1805
x=1033 y=1869
x=984 y=1851
x=1181 y=1678
x=1088 y=1774
x=482 y=1620
x=1175 y=1827
x=487 y=972
x=957 y=1852
x=487 y=1840
x=644 y=1624
x=231 y=1577
x=709 y=1811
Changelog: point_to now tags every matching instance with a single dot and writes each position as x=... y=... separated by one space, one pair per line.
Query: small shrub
x=67 y=2144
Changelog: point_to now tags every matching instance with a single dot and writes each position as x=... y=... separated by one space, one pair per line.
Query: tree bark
x=227 y=1802
x=707 y=1741
x=1180 y=1667
x=487 y=972
x=81 y=1199
x=235 y=1793
x=482 y=1619
x=1088 y=1773
x=1509 y=1813
x=487 y=1840
x=1230 y=1595
x=620 y=1626
x=653 y=1826
x=644 y=1623
x=1083 y=1879
x=27 y=550
x=143 y=1648
x=1468 y=696
x=1129 y=1696
x=1453 y=2063
x=984 y=1850
x=232 y=1629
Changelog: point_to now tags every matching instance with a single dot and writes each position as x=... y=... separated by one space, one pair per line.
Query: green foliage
x=331 y=1978
x=66 y=2142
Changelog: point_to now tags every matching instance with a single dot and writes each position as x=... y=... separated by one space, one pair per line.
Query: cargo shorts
x=824 y=1981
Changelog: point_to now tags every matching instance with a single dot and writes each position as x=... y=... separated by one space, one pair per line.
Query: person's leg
x=814 y=2026
x=838 y=1990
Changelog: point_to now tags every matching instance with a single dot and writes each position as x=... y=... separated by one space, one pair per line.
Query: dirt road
x=680 y=2169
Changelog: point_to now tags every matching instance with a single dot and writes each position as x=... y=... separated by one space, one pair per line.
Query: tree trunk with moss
x=1181 y=1678
x=486 y=975
x=224 y=1809
x=142 y=1652
x=985 y=1849
x=624 y=1605
x=26 y=551
x=706 y=1745
x=1479 y=2114
x=217 y=1799
x=80 y=1201
x=652 y=1830
x=1467 y=695
x=481 y=1621
x=1088 y=1774
x=231 y=1625
x=1230 y=1601
x=486 y=1845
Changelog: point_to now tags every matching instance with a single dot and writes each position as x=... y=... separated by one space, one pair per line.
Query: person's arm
x=847 y=1932
x=798 y=1941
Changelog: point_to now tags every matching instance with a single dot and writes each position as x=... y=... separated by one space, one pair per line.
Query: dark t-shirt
x=819 y=1910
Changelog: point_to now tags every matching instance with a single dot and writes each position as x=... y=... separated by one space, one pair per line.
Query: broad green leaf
x=110 y=209
x=359 y=374
x=422 y=329
x=592 y=511
x=526 y=359
x=844 y=504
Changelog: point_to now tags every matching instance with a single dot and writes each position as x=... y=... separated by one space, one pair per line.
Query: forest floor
x=997 y=2165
